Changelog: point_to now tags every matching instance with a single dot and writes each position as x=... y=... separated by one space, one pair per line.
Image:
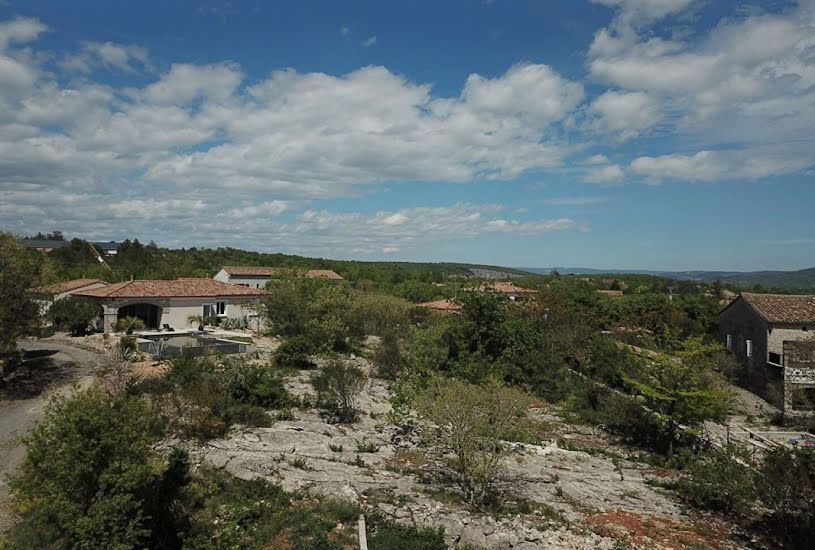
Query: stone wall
x=799 y=376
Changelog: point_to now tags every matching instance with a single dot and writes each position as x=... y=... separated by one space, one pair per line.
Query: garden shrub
x=388 y=357
x=74 y=315
x=128 y=325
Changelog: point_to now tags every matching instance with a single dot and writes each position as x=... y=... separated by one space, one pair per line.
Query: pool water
x=193 y=345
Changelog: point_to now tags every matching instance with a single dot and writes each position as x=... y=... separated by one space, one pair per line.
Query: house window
x=749 y=348
x=729 y=342
x=774 y=358
x=220 y=309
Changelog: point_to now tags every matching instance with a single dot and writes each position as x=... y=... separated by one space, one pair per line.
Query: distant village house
x=257 y=277
x=769 y=334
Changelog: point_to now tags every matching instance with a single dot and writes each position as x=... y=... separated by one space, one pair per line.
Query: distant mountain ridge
x=803 y=279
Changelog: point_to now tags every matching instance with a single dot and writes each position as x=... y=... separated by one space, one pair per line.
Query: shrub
x=721 y=480
x=386 y=535
x=248 y=415
x=129 y=324
x=256 y=385
x=90 y=478
x=295 y=353
x=74 y=315
x=787 y=488
x=388 y=357
x=337 y=385
x=469 y=422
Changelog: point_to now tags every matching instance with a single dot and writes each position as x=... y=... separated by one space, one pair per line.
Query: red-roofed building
x=46 y=295
x=257 y=277
x=445 y=306
x=173 y=302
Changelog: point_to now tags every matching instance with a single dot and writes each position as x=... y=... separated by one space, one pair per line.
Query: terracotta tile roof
x=782 y=308
x=323 y=274
x=441 y=305
x=65 y=286
x=612 y=293
x=252 y=271
x=247 y=271
x=503 y=287
x=179 y=288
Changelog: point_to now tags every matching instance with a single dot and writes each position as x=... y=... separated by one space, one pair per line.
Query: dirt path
x=49 y=366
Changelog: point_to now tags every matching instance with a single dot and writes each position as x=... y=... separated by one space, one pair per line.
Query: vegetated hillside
x=136 y=260
x=803 y=279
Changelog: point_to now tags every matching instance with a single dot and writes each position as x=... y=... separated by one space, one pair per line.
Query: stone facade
x=799 y=376
x=762 y=347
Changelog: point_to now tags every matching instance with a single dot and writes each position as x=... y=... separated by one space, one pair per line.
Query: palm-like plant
x=199 y=319
x=129 y=324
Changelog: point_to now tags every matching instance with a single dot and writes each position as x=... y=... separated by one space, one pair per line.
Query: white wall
x=179 y=310
x=254 y=281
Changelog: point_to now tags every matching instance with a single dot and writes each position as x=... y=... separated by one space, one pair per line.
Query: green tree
x=683 y=390
x=73 y=314
x=90 y=478
x=469 y=423
x=19 y=313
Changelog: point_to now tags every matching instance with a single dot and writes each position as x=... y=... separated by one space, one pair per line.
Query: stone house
x=758 y=329
x=173 y=302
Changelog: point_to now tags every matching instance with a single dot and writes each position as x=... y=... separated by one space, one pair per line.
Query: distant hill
x=803 y=279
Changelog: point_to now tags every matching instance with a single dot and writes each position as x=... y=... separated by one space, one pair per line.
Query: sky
x=650 y=134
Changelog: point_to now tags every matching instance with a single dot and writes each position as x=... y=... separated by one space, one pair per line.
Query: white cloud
x=20 y=30
x=576 y=201
x=707 y=166
x=370 y=41
x=625 y=114
x=185 y=82
x=109 y=55
x=344 y=31
x=270 y=208
x=596 y=159
x=371 y=233
x=605 y=174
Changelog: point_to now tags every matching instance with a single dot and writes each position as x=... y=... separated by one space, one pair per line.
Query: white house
x=257 y=277
x=46 y=295
x=173 y=302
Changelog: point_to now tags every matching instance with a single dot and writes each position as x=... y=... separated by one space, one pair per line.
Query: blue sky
x=663 y=134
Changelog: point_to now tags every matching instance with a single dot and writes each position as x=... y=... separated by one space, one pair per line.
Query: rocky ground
x=577 y=487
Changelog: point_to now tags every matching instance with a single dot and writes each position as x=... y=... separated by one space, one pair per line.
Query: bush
x=256 y=385
x=787 y=488
x=386 y=535
x=469 y=423
x=337 y=385
x=388 y=357
x=90 y=478
x=721 y=480
x=128 y=325
x=74 y=315
x=249 y=415
x=295 y=353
